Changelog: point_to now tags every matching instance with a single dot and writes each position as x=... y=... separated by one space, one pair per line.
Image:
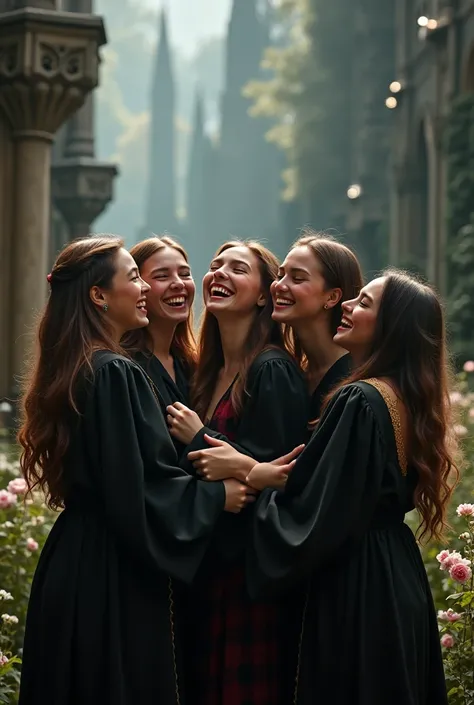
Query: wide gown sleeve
x=163 y=516
x=275 y=415
x=329 y=499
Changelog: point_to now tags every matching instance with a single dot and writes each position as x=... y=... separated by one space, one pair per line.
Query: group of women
x=232 y=527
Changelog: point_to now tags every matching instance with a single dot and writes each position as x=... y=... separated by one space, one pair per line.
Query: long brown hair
x=409 y=347
x=264 y=333
x=183 y=345
x=340 y=269
x=68 y=330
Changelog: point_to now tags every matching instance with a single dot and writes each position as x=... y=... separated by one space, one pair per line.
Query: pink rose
x=460 y=572
x=3 y=659
x=469 y=366
x=31 y=545
x=441 y=557
x=465 y=510
x=451 y=559
x=449 y=616
x=7 y=499
x=17 y=486
x=447 y=641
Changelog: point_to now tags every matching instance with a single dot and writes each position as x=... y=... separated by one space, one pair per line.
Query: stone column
x=48 y=65
x=82 y=186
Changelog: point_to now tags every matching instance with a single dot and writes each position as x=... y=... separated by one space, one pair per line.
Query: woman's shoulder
x=107 y=359
x=273 y=356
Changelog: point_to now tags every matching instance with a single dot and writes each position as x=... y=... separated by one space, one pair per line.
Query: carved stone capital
x=48 y=64
x=81 y=190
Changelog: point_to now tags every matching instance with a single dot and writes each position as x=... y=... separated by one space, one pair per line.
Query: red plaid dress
x=235 y=645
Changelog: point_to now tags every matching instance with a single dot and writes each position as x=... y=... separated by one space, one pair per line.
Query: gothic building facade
x=49 y=63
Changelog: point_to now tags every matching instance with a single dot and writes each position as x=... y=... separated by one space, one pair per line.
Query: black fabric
x=99 y=627
x=368 y=630
x=169 y=390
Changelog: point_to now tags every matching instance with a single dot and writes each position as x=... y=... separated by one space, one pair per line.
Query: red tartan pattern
x=236 y=644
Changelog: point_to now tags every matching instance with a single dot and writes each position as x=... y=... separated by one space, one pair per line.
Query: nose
x=145 y=287
x=177 y=283
x=220 y=273
x=280 y=285
x=347 y=306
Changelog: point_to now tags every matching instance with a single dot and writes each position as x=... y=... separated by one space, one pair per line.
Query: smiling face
x=172 y=288
x=359 y=318
x=233 y=283
x=300 y=292
x=125 y=300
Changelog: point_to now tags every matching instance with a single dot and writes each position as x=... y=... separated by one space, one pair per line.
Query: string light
x=395 y=87
x=391 y=102
x=432 y=24
x=422 y=21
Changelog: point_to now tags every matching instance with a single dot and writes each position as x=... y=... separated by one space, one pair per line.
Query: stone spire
x=82 y=186
x=161 y=203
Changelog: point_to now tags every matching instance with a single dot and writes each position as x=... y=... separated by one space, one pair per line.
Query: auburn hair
x=339 y=268
x=183 y=345
x=409 y=347
x=69 y=328
x=264 y=333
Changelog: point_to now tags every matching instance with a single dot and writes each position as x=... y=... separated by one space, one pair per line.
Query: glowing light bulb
x=422 y=21
x=354 y=191
x=391 y=103
x=395 y=87
x=432 y=24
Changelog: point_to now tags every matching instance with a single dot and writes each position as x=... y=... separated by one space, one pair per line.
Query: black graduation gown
x=369 y=634
x=100 y=627
x=169 y=390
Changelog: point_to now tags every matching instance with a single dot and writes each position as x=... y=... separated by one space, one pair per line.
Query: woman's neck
x=234 y=333
x=321 y=351
x=162 y=334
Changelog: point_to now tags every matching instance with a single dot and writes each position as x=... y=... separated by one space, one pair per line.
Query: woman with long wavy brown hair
x=382 y=448
x=247 y=390
x=166 y=348
x=100 y=627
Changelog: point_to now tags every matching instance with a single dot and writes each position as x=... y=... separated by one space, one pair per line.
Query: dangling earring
x=326 y=306
x=105 y=308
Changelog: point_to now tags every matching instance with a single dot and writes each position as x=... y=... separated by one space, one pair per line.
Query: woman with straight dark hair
x=100 y=627
x=317 y=274
x=166 y=348
x=382 y=448
x=247 y=390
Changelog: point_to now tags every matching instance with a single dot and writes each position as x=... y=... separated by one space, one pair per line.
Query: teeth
x=220 y=290
x=142 y=305
x=345 y=323
x=284 y=302
x=175 y=301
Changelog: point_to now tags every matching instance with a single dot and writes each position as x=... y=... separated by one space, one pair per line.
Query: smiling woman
x=166 y=349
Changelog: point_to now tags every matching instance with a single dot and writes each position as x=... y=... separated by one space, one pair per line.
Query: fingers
x=285 y=459
x=216 y=442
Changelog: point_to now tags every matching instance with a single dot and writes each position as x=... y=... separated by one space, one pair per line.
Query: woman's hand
x=237 y=496
x=274 y=474
x=183 y=423
x=220 y=461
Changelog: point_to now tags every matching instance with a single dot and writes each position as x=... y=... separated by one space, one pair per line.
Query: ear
x=97 y=296
x=334 y=297
x=262 y=300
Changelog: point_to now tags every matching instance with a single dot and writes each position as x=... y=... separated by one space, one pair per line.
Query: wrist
x=245 y=467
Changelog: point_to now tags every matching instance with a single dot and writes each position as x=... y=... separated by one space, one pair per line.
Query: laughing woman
x=317 y=274
x=249 y=391
x=100 y=627
x=166 y=348
x=382 y=448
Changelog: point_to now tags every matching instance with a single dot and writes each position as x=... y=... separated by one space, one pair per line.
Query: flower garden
x=25 y=524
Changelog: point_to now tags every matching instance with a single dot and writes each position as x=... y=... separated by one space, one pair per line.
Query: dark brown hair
x=183 y=345
x=340 y=269
x=70 y=327
x=264 y=333
x=409 y=347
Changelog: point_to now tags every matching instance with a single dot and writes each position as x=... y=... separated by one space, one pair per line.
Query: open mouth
x=345 y=323
x=282 y=301
x=220 y=292
x=175 y=301
x=141 y=305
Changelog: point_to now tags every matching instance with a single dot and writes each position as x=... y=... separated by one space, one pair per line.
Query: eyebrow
x=134 y=271
x=167 y=269
x=365 y=295
x=218 y=260
x=295 y=269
